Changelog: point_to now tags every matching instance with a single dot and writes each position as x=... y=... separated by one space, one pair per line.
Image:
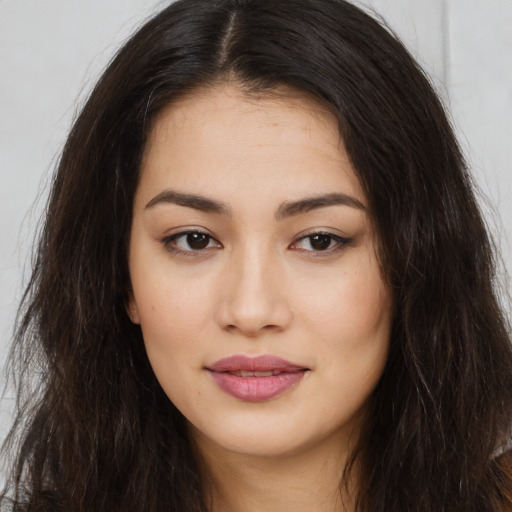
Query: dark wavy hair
x=94 y=431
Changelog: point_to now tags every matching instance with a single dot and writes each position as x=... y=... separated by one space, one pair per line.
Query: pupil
x=320 y=242
x=197 y=240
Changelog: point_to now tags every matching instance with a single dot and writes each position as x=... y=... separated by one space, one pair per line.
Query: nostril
x=252 y=302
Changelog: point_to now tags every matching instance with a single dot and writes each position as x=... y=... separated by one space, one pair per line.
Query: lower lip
x=256 y=389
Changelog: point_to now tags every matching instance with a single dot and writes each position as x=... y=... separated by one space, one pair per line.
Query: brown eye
x=320 y=242
x=190 y=242
x=198 y=241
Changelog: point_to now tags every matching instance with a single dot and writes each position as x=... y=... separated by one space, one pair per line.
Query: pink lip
x=255 y=388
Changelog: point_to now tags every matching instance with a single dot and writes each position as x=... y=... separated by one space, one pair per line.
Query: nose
x=253 y=298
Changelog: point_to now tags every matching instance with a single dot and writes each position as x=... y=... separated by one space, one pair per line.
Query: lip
x=256 y=388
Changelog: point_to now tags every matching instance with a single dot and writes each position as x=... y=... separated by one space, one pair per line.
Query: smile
x=256 y=379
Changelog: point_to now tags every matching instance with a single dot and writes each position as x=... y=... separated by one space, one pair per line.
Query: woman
x=263 y=282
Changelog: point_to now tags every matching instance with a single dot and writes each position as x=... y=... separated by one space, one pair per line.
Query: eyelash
x=339 y=243
x=167 y=242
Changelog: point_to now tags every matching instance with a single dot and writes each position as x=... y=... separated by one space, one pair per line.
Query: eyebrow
x=292 y=208
x=196 y=202
x=285 y=210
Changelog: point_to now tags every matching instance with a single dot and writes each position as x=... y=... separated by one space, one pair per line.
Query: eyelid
x=167 y=240
x=341 y=242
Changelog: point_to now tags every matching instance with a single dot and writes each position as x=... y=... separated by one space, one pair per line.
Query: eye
x=320 y=242
x=190 y=242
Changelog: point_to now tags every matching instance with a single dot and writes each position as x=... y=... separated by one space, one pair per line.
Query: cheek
x=171 y=310
x=355 y=347
x=171 y=324
x=354 y=304
x=351 y=321
x=170 y=319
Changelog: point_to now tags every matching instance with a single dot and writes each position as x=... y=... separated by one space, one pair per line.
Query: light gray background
x=52 y=51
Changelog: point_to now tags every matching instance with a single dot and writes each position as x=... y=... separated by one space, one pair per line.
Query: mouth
x=245 y=373
x=256 y=379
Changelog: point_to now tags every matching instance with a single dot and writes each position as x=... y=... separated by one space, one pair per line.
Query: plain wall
x=52 y=52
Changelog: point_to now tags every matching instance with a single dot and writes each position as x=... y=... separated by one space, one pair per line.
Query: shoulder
x=502 y=469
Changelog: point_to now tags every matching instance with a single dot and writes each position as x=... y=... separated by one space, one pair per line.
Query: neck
x=311 y=480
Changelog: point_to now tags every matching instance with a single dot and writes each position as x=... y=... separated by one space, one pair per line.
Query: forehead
x=222 y=139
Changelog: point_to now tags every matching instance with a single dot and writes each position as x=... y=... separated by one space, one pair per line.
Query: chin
x=265 y=438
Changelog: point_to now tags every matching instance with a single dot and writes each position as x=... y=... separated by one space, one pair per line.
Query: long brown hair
x=94 y=432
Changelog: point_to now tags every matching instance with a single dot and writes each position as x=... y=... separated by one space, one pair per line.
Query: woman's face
x=254 y=274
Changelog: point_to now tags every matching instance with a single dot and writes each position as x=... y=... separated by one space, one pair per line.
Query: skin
x=261 y=285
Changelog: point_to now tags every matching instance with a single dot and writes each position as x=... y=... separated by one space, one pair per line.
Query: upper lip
x=264 y=363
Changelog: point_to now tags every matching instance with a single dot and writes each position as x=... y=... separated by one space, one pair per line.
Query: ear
x=132 y=309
